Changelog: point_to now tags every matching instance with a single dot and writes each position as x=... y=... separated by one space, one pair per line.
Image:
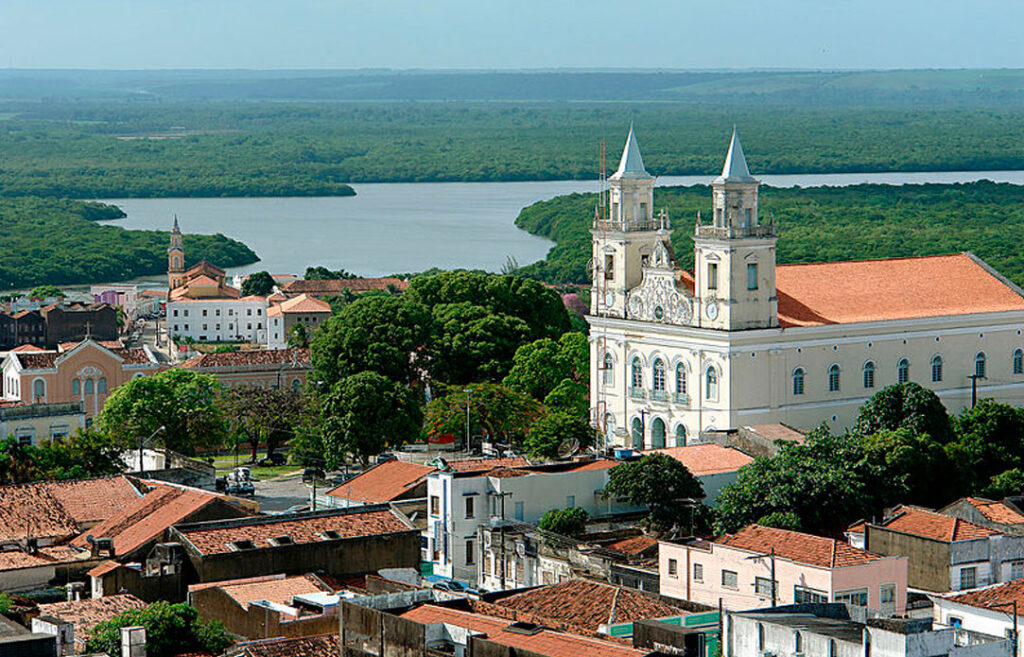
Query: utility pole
x=770 y=555
x=974 y=387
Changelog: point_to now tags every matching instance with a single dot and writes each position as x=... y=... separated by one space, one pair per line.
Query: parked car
x=272 y=459
x=309 y=474
x=385 y=456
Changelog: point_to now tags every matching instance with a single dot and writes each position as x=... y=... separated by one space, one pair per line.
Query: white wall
x=225 y=319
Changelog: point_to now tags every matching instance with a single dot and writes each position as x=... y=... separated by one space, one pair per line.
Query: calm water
x=407 y=227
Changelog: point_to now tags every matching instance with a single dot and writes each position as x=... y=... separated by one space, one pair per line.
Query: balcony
x=637 y=393
x=681 y=398
x=659 y=395
x=716 y=232
x=657 y=223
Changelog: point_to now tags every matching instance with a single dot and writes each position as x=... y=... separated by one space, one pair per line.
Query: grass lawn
x=225 y=464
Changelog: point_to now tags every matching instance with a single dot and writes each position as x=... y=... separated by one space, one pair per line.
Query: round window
x=659 y=312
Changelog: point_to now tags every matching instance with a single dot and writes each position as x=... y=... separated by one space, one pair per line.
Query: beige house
x=282 y=318
x=740 y=341
x=33 y=423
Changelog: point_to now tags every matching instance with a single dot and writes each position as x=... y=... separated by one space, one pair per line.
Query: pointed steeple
x=174 y=228
x=735 y=169
x=632 y=163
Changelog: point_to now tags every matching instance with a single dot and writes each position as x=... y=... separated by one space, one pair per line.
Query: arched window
x=638 y=374
x=25 y=434
x=39 y=390
x=608 y=369
x=658 y=375
x=903 y=371
x=89 y=384
x=798 y=381
x=1018 y=361
x=833 y=378
x=979 y=365
x=76 y=387
x=936 y=368
x=680 y=381
x=760 y=637
x=296 y=384
x=101 y=386
x=658 y=433
x=869 y=374
x=680 y=435
x=711 y=384
x=798 y=642
x=638 y=433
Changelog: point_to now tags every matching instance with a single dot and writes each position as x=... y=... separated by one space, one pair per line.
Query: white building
x=458 y=503
x=989 y=610
x=218 y=319
x=740 y=341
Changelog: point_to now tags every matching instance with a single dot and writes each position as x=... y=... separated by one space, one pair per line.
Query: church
x=741 y=341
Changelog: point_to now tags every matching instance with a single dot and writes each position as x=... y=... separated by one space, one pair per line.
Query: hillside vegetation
x=57 y=241
x=816 y=224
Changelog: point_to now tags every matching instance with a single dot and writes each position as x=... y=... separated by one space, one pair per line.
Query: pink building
x=736 y=569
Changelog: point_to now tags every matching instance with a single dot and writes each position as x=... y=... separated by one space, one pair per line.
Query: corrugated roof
x=799 y=547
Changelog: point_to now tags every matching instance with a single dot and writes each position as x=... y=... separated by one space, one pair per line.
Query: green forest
x=57 y=241
x=815 y=224
x=107 y=149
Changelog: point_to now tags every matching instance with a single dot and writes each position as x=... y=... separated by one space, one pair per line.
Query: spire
x=632 y=163
x=175 y=229
x=735 y=169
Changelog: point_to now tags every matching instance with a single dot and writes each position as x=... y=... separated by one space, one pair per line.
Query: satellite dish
x=568 y=447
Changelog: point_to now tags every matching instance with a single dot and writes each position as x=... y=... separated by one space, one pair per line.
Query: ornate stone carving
x=88 y=372
x=657 y=299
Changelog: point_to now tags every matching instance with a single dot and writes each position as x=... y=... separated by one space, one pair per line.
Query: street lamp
x=142 y=443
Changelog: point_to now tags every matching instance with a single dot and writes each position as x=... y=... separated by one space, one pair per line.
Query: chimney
x=75 y=590
x=133 y=641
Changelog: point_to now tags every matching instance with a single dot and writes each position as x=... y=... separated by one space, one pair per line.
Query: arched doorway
x=658 y=433
x=638 y=433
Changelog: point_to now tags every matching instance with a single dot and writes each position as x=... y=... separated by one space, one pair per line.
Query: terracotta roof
x=276 y=588
x=482 y=465
x=31 y=510
x=995 y=596
x=153 y=293
x=109 y=344
x=10 y=403
x=89 y=501
x=134 y=356
x=215 y=537
x=335 y=286
x=921 y=522
x=149 y=516
x=27 y=348
x=325 y=645
x=37 y=361
x=597 y=464
x=799 y=547
x=87 y=614
x=383 y=482
x=997 y=512
x=546 y=642
x=249 y=357
x=633 y=545
x=707 y=459
x=305 y=304
x=506 y=473
x=14 y=560
x=776 y=431
x=103 y=569
x=202 y=280
x=586 y=605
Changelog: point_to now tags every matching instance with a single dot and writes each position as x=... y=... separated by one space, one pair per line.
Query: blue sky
x=511 y=34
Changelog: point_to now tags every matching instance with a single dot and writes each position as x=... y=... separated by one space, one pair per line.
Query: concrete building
x=740 y=341
x=459 y=503
x=827 y=629
x=989 y=610
x=32 y=424
x=1002 y=515
x=283 y=317
x=945 y=553
x=747 y=569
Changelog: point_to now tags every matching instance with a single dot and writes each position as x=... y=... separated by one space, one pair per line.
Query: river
x=406 y=227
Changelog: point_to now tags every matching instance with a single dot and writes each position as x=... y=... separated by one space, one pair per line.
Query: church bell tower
x=175 y=259
x=624 y=239
x=734 y=266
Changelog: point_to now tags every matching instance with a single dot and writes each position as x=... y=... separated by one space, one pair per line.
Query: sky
x=511 y=34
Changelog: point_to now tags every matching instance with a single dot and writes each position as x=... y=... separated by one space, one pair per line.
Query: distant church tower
x=175 y=259
x=734 y=257
x=624 y=241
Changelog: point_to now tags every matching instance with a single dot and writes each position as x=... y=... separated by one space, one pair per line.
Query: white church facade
x=740 y=341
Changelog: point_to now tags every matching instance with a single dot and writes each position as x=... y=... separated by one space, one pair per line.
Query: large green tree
x=990 y=440
x=540 y=366
x=258 y=283
x=470 y=343
x=494 y=409
x=267 y=415
x=185 y=403
x=379 y=334
x=906 y=406
x=553 y=430
x=365 y=413
x=660 y=483
x=171 y=629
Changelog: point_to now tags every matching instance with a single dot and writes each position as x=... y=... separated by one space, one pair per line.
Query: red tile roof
x=707 y=459
x=584 y=605
x=42 y=557
x=799 y=547
x=481 y=465
x=546 y=642
x=822 y=293
x=28 y=348
x=335 y=286
x=31 y=510
x=633 y=545
x=249 y=358
x=383 y=482
x=275 y=588
x=325 y=645
x=305 y=304
x=215 y=537
x=921 y=522
x=997 y=512
x=89 y=501
x=777 y=431
x=149 y=516
x=109 y=344
x=103 y=569
x=597 y=464
x=87 y=614
x=996 y=596
x=37 y=361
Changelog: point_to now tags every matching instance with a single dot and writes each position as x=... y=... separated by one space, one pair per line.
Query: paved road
x=279 y=493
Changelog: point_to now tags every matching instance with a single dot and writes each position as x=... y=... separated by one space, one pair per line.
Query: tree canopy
x=554 y=429
x=171 y=629
x=567 y=522
x=907 y=406
x=495 y=410
x=258 y=283
x=658 y=482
